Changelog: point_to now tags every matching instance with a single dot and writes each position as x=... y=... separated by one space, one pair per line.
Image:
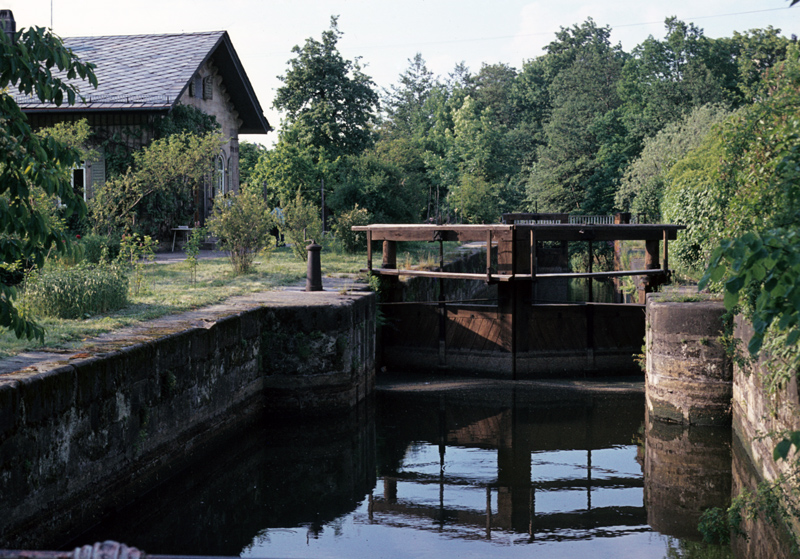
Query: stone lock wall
x=89 y=432
x=689 y=375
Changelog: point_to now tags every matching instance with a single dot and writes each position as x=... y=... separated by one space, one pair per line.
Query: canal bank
x=81 y=433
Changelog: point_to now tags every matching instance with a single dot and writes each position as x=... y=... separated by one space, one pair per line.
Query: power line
x=542 y=33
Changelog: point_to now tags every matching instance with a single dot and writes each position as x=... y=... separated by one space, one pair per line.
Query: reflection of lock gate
x=525 y=331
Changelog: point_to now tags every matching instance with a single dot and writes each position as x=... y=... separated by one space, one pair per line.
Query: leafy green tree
x=29 y=64
x=744 y=177
x=378 y=184
x=405 y=103
x=754 y=52
x=242 y=223
x=288 y=167
x=642 y=187
x=330 y=103
x=249 y=156
x=585 y=69
x=160 y=191
x=663 y=79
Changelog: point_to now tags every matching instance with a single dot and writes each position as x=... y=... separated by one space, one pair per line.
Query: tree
x=161 y=189
x=642 y=187
x=584 y=69
x=664 y=79
x=405 y=102
x=28 y=63
x=249 y=155
x=330 y=103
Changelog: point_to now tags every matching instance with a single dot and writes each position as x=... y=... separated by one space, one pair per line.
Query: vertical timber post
x=650 y=263
x=442 y=311
x=620 y=218
x=389 y=262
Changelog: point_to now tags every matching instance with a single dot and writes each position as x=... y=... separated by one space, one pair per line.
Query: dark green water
x=543 y=472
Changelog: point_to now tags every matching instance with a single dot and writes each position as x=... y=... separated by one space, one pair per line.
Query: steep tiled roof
x=149 y=72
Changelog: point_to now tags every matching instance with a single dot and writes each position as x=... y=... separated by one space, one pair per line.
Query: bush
x=352 y=241
x=75 y=292
x=301 y=222
x=97 y=247
x=242 y=224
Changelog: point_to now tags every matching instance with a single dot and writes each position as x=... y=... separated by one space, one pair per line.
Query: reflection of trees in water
x=274 y=475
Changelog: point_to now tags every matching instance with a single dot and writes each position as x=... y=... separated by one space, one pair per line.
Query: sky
x=386 y=34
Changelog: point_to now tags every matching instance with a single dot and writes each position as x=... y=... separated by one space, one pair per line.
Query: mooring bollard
x=314 y=273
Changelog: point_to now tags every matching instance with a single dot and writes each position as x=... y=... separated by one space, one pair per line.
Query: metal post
x=314 y=272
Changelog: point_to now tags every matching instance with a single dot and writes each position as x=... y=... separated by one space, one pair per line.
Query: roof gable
x=150 y=72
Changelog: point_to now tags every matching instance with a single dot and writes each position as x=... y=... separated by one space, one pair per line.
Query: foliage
x=642 y=187
x=192 y=249
x=185 y=119
x=135 y=252
x=352 y=241
x=99 y=248
x=582 y=89
x=75 y=292
x=172 y=293
x=249 y=156
x=301 y=223
x=29 y=64
x=475 y=200
x=664 y=79
x=757 y=262
x=330 y=103
x=242 y=224
x=159 y=192
x=769 y=264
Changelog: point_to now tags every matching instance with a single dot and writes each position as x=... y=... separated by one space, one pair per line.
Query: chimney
x=7 y=23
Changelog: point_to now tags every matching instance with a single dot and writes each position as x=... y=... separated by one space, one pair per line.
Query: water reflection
x=550 y=465
x=274 y=475
x=687 y=470
x=553 y=470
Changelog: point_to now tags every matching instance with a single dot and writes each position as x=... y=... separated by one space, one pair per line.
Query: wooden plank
x=622 y=232
x=544 y=232
x=459 y=233
x=508 y=277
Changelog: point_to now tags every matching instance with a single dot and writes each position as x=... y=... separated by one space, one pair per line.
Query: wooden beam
x=515 y=277
x=549 y=232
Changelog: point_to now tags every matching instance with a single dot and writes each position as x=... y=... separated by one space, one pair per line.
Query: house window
x=208 y=87
x=79 y=181
x=221 y=175
x=196 y=87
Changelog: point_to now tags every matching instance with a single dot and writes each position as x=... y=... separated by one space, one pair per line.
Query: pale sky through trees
x=386 y=34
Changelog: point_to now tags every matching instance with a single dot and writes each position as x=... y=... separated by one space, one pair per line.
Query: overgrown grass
x=167 y=289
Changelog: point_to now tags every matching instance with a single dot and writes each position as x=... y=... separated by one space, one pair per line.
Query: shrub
x=242 y=224
x=75 y=292
x=301 y=222
x=352 y=241
x=96 y=246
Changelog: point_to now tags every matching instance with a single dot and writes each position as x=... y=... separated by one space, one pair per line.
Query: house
x=141 y=78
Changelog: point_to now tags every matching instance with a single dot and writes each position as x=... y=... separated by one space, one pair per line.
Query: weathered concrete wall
x=689 y=376
x=88 y=432
x=761 y=418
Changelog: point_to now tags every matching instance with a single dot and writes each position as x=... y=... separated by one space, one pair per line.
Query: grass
x=167 y=289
